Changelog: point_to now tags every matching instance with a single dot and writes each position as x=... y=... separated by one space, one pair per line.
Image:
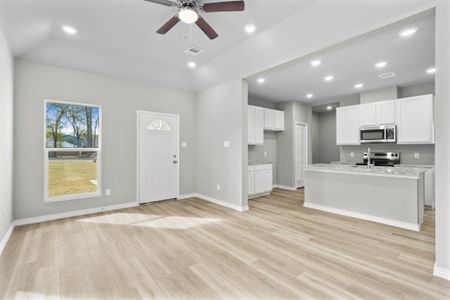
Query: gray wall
x=221 y=114
x=266 y=153
x=389 y=93
x=6 y=136
x=261 y=103
x=328 y=151
x=442 y=112
x=293 y=112
x=119 y=101
x=315 y=137
x=426 y=153
x=350 y=100
x=416 y=89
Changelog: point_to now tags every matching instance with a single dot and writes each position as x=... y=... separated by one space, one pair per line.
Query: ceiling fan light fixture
x=188 y=15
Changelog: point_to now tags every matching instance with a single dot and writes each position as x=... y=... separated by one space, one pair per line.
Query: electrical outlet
x=352 y=154
x=184 y=145
x=265 y=153
x=226 y=144
x=416 y=155
x=108 y=192
x=218 y=187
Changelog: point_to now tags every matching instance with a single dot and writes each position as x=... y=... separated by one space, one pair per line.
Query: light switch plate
x=226 y=144
x=352 y=154
x=218 y=187
x=108 y=192
x=416 y=155
x=265 y=153
x=184 y=145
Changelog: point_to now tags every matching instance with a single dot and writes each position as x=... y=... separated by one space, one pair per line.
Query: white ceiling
x=117 y=37
x=353 y=62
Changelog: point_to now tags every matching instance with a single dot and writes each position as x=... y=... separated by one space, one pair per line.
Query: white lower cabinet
x=259 y=179
x=251 y=180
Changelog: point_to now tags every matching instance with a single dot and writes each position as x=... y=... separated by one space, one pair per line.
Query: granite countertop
x=398 y=172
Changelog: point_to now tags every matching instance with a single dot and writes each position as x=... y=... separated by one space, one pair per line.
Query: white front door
x=301 y=153
x=158 y=156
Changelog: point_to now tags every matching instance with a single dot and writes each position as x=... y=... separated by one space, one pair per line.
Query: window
x=72 y=151
x=159 y=125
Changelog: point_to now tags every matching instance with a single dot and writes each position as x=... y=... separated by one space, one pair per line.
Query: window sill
x=72 y=197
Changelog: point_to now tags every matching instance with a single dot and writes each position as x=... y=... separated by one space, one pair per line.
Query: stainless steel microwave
x=378 y=134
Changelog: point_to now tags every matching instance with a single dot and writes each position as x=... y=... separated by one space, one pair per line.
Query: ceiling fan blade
x=162 y=2
x=224 y=6
x=169 y=25
x=206 y=28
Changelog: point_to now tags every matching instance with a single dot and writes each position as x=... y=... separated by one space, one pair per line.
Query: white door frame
x=295 y=149
x=139 y=113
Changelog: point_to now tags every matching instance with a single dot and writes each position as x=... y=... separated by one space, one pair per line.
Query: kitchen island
x=393 y=196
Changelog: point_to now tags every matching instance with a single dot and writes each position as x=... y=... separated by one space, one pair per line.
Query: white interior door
x=301 y=153
x=158 y=156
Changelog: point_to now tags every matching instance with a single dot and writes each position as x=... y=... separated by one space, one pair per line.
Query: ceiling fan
x=189 y=13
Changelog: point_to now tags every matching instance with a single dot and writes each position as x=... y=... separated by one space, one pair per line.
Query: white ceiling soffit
x=352 y=62
x=321 y=24
x=117 y=37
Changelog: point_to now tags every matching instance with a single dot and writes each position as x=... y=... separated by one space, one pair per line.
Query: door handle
x=175 y=161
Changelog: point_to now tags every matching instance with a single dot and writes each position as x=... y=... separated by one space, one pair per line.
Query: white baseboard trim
x=75 y=213
x=284 y=187
x=441 y=272
x=362 y=216
x=6 y=237
x=187 y=196
x=223 y=203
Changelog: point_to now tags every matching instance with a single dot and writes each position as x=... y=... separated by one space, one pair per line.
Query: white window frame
x=98 y=150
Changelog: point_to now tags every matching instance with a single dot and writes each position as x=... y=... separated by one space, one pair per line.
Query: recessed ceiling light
x=309 y=96
x=407 y=32
x=192 y=65
x=316 y=62
x=329 y=78
x=381 y=64
x=250 y=28
x=261 y=80
x=69 y=29
x=359 y=85
x=431 y=70
x=329 y=107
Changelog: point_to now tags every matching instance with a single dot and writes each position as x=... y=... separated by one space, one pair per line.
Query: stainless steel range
x=382 y=159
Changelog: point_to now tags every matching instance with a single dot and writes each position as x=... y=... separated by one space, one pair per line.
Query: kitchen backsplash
x=407 y=153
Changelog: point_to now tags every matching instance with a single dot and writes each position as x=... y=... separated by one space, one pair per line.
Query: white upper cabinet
x=251 y=137
x=368 y=114
x=259 y=126
x=279 y=120
x=386 y=113
x=348 y=121
x=273 y=119
x=378 y=113
x=269 y=118
x=255 y=124
x=415 y=121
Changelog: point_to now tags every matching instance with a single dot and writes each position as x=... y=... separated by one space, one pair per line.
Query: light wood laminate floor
x=192 y=249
